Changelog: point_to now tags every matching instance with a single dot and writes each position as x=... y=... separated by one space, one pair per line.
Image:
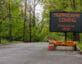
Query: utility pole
x=25 y=20
x=10 y=25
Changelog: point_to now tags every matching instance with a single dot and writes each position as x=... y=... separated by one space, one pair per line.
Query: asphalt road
x=38 y=53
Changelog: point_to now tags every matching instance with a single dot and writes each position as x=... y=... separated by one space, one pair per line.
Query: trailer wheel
x=75 y=48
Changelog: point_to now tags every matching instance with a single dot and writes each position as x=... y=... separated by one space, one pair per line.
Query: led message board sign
x=65 y=22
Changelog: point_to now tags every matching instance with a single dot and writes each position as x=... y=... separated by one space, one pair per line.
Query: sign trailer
x=64 y=22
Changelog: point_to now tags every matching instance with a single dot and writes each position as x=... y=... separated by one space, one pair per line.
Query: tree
x=0 y=30
x=76 y=35
x=10 y=26
x=63 y=5
x=25 y=19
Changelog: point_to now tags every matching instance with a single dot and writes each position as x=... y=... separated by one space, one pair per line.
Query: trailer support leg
x=65 y=37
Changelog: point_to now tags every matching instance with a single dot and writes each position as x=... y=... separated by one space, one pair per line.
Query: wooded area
x=19 y=21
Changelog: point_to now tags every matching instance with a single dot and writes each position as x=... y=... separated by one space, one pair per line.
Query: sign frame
x=51 y=30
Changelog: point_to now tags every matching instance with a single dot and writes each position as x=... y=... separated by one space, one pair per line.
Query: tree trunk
x=10 y=27
x=30 y=25
x=0 y=31
x=25 y=20
x=76 y=36
x=81 y=5
x=34 y=14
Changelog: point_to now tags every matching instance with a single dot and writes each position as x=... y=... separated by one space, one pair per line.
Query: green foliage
x=59 y=5
x=40 y=32
x=80 y=45
x=4 y=41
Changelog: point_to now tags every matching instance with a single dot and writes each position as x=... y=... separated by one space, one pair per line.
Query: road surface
x=37 y=53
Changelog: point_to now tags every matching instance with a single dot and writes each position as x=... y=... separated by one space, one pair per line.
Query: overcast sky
x=39 y=10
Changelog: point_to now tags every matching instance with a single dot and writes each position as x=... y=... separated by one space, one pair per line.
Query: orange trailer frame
x=53 y=43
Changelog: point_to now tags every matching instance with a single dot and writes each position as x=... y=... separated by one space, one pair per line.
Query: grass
x=5 y=42
x=80 y=45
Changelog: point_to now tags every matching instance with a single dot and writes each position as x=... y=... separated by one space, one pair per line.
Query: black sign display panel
x=65 y=22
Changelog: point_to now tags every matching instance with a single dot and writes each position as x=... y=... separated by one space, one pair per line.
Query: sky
x=39 y=10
